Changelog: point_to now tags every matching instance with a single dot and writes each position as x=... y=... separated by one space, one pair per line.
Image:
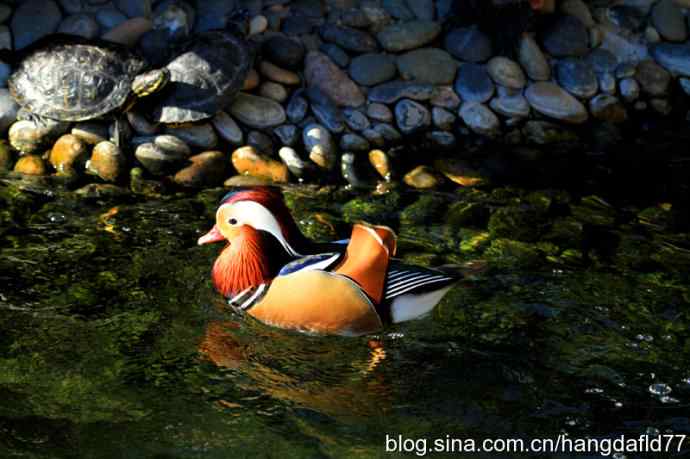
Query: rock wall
x=339 y=86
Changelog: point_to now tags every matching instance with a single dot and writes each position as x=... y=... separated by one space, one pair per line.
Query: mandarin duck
x=269 y=269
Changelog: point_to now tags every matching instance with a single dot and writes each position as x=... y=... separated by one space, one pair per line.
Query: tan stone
x=252 y=81
x=207 y=169
x=31 y=165
x=422 y=177
x=458 y=171
x=278 y=74
x=68 y=155
x=381 y=163
x=248 y=161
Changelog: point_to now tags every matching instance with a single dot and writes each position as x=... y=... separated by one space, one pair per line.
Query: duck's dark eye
x=233 y=221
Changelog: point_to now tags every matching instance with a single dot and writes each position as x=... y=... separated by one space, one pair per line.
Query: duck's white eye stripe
x=260 y=218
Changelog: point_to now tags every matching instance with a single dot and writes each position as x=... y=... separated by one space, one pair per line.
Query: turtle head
x=150 y=82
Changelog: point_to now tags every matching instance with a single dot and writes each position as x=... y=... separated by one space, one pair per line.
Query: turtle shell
x=203 y=78
x=74 y=80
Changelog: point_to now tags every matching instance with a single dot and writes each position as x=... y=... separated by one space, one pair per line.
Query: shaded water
x=114 y=344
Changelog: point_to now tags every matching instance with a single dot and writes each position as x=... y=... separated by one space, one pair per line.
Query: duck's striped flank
x=403 y=279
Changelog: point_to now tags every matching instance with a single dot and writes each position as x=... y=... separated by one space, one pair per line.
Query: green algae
x=110 y=328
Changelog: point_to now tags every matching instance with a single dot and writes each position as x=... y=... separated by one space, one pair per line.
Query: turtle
x=70 y=78
x=204 y=78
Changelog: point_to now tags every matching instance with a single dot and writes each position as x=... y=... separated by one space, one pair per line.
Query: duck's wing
x=412 y=291
x=249 y=297
x=321 y=261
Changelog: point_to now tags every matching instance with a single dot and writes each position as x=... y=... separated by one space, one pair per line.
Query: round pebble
x=107 y=161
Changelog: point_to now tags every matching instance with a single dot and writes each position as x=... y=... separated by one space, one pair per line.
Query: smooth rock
x=248 y=161
x=392 y=91
x=506 y=72
x=607 y=83
x=355 y=119
x=511 y=106
x=322 y=73
x=388 y=132
x=669 y=21
x=608 y=108
x=381 y=163
x=30 y=137
x=577 y=77
x=411 y=116
x=468 y=44
x=379 y=112
x=91 y=132
x=336 y=54
x=399 y=9
x=252 y=81
x=141 y=124
x=8 y=110
x=602 y=61
x=579 y=9
x=422 y=9
x=31 y=165
x=258 y=24
x=107 y=161
x=460 y=172
x=325 y=110
x=408 y=35
x=422 y=177
x=532 y=59
x=33 y=20
x=427 y=65
x=445 y=97
x=134 y=8
x=260 y=141
x=348 y=38
x=372 y=69
x=297 y=108
x=283 y=51
x=653 y=79
x=207 y=169
x=173 y=145
x=319 y=143
x=68 y=155
x=480 y=119
x=5 y=38
x=110 y=17
x=629 y=89
x=473 y=83
x=82 y=25
x=350 y=172
x=566 y=36
x=287 y=134
x=156 y=160
x=374 y=137
x=442 y=118
x=552 y=101
x=673 y=57
x=273 y=91
x=257 y=112
x=129 y=32
x=213 y=14
x=227 y=128
x=279 y=75
x=296 y=165
x=196 y=135
x=353 y=142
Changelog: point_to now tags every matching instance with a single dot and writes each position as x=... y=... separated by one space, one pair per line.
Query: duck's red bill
x=212 y=236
